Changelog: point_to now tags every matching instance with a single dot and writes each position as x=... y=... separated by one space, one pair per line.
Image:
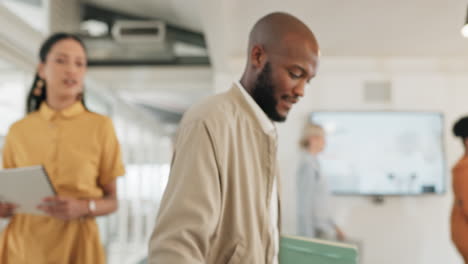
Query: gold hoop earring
x=38 y=88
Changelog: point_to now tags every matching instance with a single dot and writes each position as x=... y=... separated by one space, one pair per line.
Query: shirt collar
x=266 y=123
x=71 y=111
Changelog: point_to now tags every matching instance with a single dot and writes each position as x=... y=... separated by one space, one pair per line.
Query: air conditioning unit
x=139 y=31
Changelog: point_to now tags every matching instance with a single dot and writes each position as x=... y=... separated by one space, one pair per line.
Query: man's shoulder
x=222 y=107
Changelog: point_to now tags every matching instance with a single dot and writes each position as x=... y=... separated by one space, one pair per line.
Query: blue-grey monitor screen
x=383 y=153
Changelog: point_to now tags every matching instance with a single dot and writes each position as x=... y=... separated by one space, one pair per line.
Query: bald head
x=282 y=59
x=278 y=31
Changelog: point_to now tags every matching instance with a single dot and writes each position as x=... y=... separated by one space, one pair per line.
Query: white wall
x=13 y=91
x=403 y=230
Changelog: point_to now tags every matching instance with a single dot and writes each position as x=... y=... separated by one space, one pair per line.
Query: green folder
x=301 y=250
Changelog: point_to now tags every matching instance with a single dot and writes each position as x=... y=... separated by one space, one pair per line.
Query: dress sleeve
x=111 y=165
x=8 y=160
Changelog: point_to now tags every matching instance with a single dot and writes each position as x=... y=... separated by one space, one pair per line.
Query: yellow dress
x=80 y=152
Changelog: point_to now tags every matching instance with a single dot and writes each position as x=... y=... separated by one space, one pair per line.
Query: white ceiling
x=344 y=28
x=397 y=28
x=367 y=28
x=370 y=27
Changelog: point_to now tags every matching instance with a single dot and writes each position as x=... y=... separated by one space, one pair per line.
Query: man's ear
x=465 y=142
x=258 y=56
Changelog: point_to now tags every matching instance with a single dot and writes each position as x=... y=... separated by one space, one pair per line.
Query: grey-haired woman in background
x=313 y=215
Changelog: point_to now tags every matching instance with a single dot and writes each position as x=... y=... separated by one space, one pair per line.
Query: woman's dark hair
x=33 y=101
x=460 y=129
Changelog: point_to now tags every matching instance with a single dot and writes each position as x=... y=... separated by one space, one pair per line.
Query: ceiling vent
x=139 y=31
x=118 y=39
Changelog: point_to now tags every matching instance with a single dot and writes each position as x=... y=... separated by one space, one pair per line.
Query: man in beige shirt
x=221 y=204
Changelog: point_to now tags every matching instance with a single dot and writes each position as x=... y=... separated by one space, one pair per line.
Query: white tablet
x=25 y=187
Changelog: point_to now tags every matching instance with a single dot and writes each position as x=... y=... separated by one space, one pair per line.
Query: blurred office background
x=149 y=60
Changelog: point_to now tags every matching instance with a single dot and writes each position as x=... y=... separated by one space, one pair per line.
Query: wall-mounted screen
x=383 y=153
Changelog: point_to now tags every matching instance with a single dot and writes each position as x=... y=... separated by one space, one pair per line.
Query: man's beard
x=263 y=94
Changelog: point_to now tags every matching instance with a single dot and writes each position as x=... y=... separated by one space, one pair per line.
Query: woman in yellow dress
x=81 y=155
x=459 y=217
